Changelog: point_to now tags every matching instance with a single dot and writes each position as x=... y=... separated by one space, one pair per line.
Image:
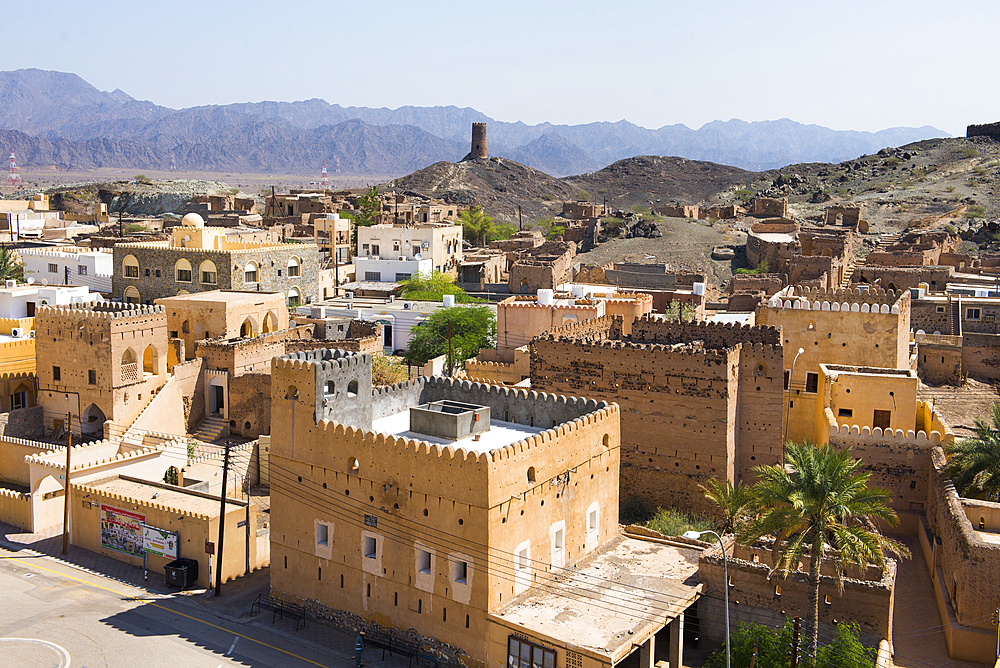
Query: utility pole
x=796 y=627
x=69 y=451
x=451 y=368
x=753 y=657
x=121 y=230
x=66 y=274
x=247 y=522
x=520 y=222
x=222 y=522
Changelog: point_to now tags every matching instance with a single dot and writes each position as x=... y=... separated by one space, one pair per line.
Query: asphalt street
x=57 y=616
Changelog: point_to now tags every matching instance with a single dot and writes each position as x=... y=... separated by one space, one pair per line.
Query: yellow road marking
x=176 y=612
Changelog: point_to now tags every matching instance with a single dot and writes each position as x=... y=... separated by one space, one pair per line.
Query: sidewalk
x=233 y=604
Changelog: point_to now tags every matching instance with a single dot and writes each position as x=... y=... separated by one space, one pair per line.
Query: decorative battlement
x=853 y=434
x=827 y=299
x=242 y=447
x=62 y=251
x=128 y=500
x=101 y=310
x=327 y=358
x=41 y=445
x=48 y=460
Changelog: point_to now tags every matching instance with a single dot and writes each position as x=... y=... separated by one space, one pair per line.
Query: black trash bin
x=181 y=572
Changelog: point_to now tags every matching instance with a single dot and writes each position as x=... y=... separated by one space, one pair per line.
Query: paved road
x=57 y=616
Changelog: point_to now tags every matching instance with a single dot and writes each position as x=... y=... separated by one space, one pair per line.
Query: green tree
x=502 y=231
x=387 y=370
x=550 y=228
x=738 y=505
x=10 y=267
x=477 y=227
x=472 y=328
x=678 y=311
x=844 y=651
x=974 y=462
x=819 y=506
x=432 y=287
x=369 y=208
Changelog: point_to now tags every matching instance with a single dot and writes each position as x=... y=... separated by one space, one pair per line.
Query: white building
x=441 y=243
x=69 y=264
x=20 y=300
x=394 y=269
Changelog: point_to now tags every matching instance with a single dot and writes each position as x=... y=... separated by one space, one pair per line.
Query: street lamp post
x=696 y=535
x=791 y=374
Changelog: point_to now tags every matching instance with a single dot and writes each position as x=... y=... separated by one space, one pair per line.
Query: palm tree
x=476 y=226
x=819 y=506
x=737 y=504
x=974 y=462
x=10 y=268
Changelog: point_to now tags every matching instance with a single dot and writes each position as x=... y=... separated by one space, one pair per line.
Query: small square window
x=845 y=412
x=940 y=309
x=53 y=269
x=81 y=270
x=424 y=561
x=173 y=333
x=812 y=382
x=147 y=272
x=157 y=273
x=973 y=313
x=371 y=547
x=592 y=520
x=461 y=572
x=322 y=534
x=92 y=377
x=56 y=373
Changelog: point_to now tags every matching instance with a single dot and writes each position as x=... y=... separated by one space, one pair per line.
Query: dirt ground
x=961 y=406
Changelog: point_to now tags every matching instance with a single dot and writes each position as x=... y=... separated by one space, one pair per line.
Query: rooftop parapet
x=825 y=299
x=101 y=310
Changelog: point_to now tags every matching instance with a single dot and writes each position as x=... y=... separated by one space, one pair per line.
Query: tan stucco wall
x=223 y=316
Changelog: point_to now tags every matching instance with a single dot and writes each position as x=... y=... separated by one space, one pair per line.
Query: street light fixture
x=696 y=535
x=791 y=374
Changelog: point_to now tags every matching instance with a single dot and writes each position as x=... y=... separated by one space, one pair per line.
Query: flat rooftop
x=227 y=296
x=775 y=237
x=191 y=503
x=621 y=594
x=500 y=434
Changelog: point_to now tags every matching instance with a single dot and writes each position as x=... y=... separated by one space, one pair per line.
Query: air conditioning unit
x=16 y=332
x=349 y=294
x=402 y=258
x=11 y=283
x=406 y=306
x=31 y=334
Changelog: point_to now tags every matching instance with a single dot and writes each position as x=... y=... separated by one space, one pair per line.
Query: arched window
x=186 y=327
x=294 y=266
x=150 y=361
x=250 y=272
x=130 y=267
x=209 y=275
x=246 y=329
x=352 y=388
x=131 y=295
x=270 y=324
x=293 y=297
x=182 y=271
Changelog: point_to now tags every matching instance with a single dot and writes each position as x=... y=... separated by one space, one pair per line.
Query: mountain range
x=56 y=118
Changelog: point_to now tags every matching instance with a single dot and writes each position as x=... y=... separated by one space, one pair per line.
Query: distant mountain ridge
x=89 y=127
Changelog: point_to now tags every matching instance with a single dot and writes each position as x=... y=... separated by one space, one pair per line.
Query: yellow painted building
x=869 y=328
x=866 y=397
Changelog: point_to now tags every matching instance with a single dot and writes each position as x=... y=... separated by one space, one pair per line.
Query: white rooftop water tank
x=448 y=301
x=698 y=288
x=545 y=297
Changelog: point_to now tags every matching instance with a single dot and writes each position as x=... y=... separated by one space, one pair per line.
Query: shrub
x=633 y=511
x=142 y=178
x=968 y=152
x=132 y=228
x=774 y=645
x=975 y=211
x=388 y=370
x=673 y=522
x=950 y=229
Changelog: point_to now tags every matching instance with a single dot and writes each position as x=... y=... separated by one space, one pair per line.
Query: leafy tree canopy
x=10 y=267
x=472 y=328
x=477 y=227
x=423 y=287
x=774 y=645
x=974 y=462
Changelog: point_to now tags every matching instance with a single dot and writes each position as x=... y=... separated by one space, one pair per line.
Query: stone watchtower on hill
x=478 y=142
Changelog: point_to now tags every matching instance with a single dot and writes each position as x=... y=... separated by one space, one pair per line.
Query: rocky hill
x=295 y=137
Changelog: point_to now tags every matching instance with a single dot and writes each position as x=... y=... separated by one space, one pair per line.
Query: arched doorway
x=270 y=323
x=217 y=397
x=92 y=421
x=246 y=329
x=150 y=361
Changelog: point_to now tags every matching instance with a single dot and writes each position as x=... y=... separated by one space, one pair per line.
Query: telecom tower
x=324 y=181
x=13 y=177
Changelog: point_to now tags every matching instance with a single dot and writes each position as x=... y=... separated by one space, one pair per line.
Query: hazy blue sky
x=843 y=64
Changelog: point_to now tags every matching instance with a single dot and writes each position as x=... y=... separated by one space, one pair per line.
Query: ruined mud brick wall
x=250 y=404
x=775 y=253
x=802 y=268
x=968 y=565
x=960 y=261
x=244 y=355
x=867 y=598
x=745 y=302
x=850 y=216
x=939 y=359
x=698 y=400
x=821 y=241
x=981 y=356
x=717 y=212
x=581 y=210
x=904 y=278
x=908 y=258
x=985 y=130
x=767 y=206
x=766 y=283
x=678 y=211
x=592 y=273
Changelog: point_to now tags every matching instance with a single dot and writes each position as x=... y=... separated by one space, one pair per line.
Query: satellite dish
x=30 y=281
x=45 y=282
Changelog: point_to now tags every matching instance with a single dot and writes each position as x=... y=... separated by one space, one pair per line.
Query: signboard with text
x=159 y=542
x=121 y=530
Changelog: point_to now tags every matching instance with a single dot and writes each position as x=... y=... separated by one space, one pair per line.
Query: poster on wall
x=159 y=542
x=121 y=530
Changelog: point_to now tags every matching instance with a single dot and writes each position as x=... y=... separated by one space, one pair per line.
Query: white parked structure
x=71 y=265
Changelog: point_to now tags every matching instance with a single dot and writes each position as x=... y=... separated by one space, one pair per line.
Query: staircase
x=212 y=429
x=859 y=258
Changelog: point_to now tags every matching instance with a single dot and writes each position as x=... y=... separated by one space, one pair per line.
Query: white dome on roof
x=192 y=220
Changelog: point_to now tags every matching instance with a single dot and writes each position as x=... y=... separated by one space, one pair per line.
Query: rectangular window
x=157 y=273
x=940 y=309
x=558 y=540
x=424 y=562
x=53 y=268
x=18 y=400
x=373 y=276
x=371 y=547
x=522 y=654
x=92 y=377
x=56 y=373
x=461 y=572
x=147 y=273
x=184 y=275
x=592 y=520
x=973 y=313
x=131 y=271
x=402 y=277
x=173 y=333
x=322 y=534
x=812 y=382
x=208 y=277
x=293 y=270
x=786 y=378
x=845 y=412
x=371 y=521
x=989 y=317
x=82 y=271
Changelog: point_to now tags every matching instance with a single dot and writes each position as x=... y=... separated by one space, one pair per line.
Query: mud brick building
x=697 y=400
x=199 y=258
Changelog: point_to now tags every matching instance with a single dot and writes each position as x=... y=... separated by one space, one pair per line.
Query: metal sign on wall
x=159 y=542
